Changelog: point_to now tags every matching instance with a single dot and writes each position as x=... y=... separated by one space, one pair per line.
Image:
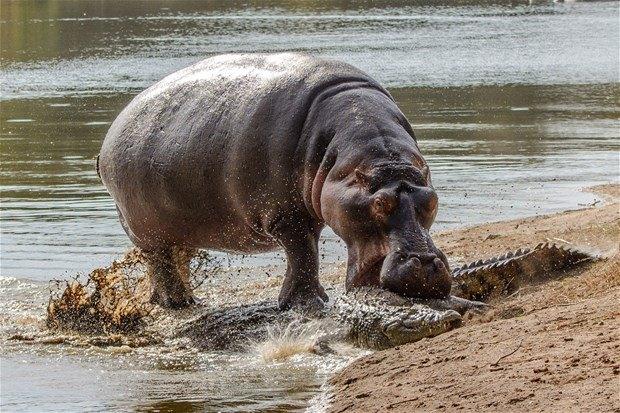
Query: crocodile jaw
x=418 y=322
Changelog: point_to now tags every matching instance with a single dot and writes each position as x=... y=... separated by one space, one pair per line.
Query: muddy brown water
x=515 y=105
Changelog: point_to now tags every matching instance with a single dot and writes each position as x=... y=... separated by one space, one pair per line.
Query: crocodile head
x=379 y=319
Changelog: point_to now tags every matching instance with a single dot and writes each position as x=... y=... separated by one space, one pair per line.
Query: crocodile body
x=367 y=317
x=374 y=318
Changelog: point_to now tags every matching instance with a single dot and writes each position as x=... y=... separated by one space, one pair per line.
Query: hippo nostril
x=439 y=265
x=424 y=257
x=416 y=263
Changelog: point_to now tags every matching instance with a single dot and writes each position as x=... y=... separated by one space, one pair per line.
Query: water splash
x=113 y=299
x=293 y=338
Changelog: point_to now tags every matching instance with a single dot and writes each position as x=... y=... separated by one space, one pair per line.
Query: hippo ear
x=361 y=177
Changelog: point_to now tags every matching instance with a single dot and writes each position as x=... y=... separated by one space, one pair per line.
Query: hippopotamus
x=249 y=153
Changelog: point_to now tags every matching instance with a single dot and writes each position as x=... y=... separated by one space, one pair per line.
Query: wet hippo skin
x=254 y=152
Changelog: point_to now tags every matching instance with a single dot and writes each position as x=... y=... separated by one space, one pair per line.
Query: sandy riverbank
x=550 y=347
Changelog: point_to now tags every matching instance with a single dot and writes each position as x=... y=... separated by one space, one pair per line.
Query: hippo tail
x=97 y=166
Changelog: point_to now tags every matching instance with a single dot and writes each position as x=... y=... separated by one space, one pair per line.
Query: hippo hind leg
x=168 y=274
x=301 y=288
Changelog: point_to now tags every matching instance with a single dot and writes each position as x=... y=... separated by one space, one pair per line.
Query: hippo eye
x=383 y=205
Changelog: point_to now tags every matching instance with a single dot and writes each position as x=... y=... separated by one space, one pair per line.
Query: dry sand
x=554 y=346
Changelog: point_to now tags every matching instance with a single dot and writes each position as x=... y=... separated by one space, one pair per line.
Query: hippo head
x=383 y=211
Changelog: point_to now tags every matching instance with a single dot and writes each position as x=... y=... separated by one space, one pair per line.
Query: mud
x=113 y=300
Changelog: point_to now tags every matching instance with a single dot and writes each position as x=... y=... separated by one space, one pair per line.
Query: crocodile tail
x=503 y=274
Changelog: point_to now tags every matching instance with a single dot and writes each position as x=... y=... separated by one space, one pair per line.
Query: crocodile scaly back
x=501 y=275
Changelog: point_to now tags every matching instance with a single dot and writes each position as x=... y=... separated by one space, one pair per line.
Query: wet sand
x=549 y=347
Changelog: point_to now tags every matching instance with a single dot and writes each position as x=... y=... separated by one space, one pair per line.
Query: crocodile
x=378 y=319
x=366 y=316
x=374 y=318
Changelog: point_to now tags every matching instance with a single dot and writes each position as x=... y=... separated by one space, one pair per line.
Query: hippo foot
x=175 y=299
x=174 y=303
x=307 y=301
x=323 y=294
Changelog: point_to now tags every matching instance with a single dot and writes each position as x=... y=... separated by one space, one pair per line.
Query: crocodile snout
x=419 y=322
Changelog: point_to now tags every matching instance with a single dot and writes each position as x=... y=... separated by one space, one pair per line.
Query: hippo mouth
x=416 y=271
x=410 y=274
x=416 y=275
x=370 y=270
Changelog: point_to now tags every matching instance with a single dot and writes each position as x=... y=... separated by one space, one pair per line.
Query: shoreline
x=488 y=239
x=564 y=332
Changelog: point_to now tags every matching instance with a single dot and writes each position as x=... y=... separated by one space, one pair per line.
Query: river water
x=515 y=105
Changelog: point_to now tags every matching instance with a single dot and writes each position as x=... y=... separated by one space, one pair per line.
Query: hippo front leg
x=168 y=275
x=301 y=288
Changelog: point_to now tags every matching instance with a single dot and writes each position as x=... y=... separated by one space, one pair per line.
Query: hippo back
x=218 y=141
